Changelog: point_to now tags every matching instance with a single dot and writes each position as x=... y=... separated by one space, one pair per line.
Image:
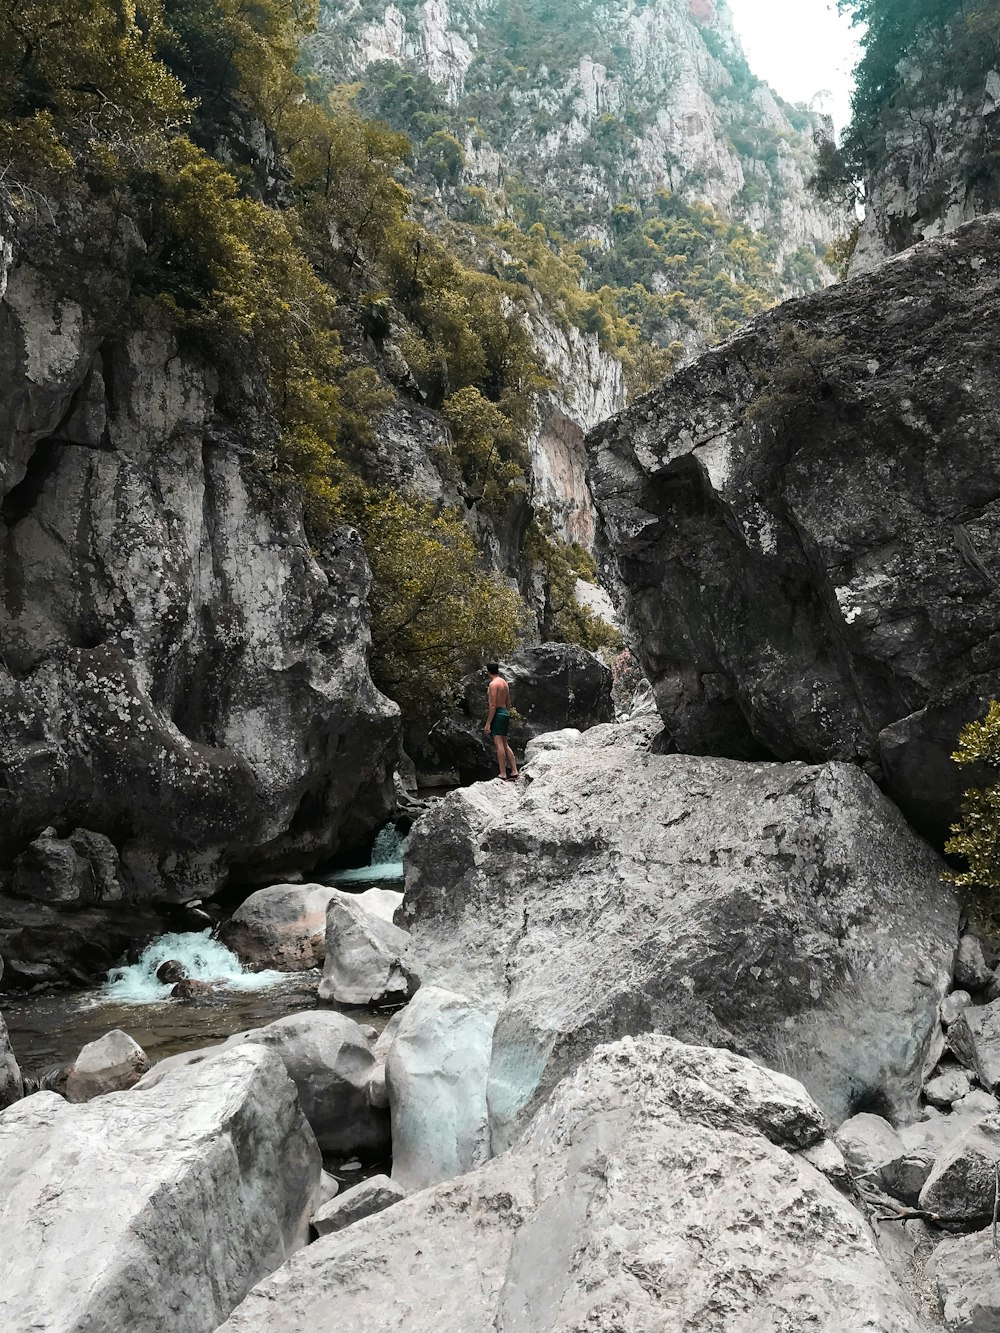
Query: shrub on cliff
x=435 y=611
x=976 y=836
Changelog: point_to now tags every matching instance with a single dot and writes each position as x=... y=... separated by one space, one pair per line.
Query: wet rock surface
x=804 y=523
x=784 y=910
x=663 y=1188
x=153 y=1209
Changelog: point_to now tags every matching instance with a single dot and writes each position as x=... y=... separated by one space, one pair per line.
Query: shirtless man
x=498 y=721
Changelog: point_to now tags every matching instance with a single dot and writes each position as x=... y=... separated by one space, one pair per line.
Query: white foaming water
x=203 y=958
x=386 y=862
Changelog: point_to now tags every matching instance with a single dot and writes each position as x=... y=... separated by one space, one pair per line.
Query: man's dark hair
x=493 y=668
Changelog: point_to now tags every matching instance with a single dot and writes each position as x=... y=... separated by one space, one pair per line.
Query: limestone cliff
x=590 y=107
x=926 y=123
x=184 y=685
x=805 y=521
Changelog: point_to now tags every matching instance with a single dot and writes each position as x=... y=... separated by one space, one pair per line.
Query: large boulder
x=962 y=1185
x=804 y=524
x=330 y=1062
x=965 y=1272
x=364 y=961
x=112 y=1063
x=974 y=1037
x=181 y=672
x=281 y=927
x=155 y=1209
x=436 y=1071
x=553 y=686
x=784 y=910
x=662 y=1189
x=11 y=1083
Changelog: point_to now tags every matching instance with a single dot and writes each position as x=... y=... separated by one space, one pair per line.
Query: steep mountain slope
x=926 y=133
x=635 y=130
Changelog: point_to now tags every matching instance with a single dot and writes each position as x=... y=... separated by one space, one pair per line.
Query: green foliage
x=435 y=611
x=976 y=836
x=562 y=563
x=488 y=448
x=444 y=157
x=796 y=380
x=712 y=264
x=956 y=42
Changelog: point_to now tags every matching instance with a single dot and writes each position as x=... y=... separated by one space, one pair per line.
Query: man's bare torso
x=499 y=693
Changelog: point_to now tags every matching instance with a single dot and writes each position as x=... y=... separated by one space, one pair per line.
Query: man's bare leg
x=501 y=745
x=510 y=758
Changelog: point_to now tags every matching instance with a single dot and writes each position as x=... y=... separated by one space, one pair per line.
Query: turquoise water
x=203 y=959
x=385 y=864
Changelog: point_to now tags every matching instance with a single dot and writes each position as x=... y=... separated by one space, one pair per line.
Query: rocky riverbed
x=812 y=1146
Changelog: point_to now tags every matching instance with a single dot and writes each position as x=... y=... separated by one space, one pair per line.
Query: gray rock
x=435 y=1074
x=780 y=596
x=877 y=1158
x=112 y=1063
x=11 y=1083
x=82 y=869
x=974 y=1038
x=948 y=1086
x=976 y=1103
x=155 y=1210
x=953 y=1004
x=827 y=1158
x=330 y=1062
x=554 y=686
x=282 y=927
x=961 y=1186
x=624 y=890
x=659 y=1190
x=364 y=962
x=870 y=1145
x=329 y=1188
x=372 y=1196
x=182 y=673
x=551 y=740
x=378 y=1093
x=965 y=1273
x=971 y=969
x=991 y=991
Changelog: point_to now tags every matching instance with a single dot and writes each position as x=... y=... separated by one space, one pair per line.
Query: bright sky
x=802 y=48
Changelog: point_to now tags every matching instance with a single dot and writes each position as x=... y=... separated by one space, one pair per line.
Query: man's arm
x=491 y=699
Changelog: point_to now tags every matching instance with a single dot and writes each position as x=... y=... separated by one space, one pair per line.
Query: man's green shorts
x=501 y=722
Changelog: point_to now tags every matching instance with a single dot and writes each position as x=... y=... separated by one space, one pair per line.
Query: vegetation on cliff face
x=976 y=836
x=954 y=43
x=556 y=130
x=167 y=161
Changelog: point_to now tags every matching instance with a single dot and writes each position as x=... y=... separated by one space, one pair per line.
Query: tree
x=435 y=611
x=976 y=836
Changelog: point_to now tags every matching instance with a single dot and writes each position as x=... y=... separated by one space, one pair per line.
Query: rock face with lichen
x=783 y=910
x=805 y=526
x=184 y=688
